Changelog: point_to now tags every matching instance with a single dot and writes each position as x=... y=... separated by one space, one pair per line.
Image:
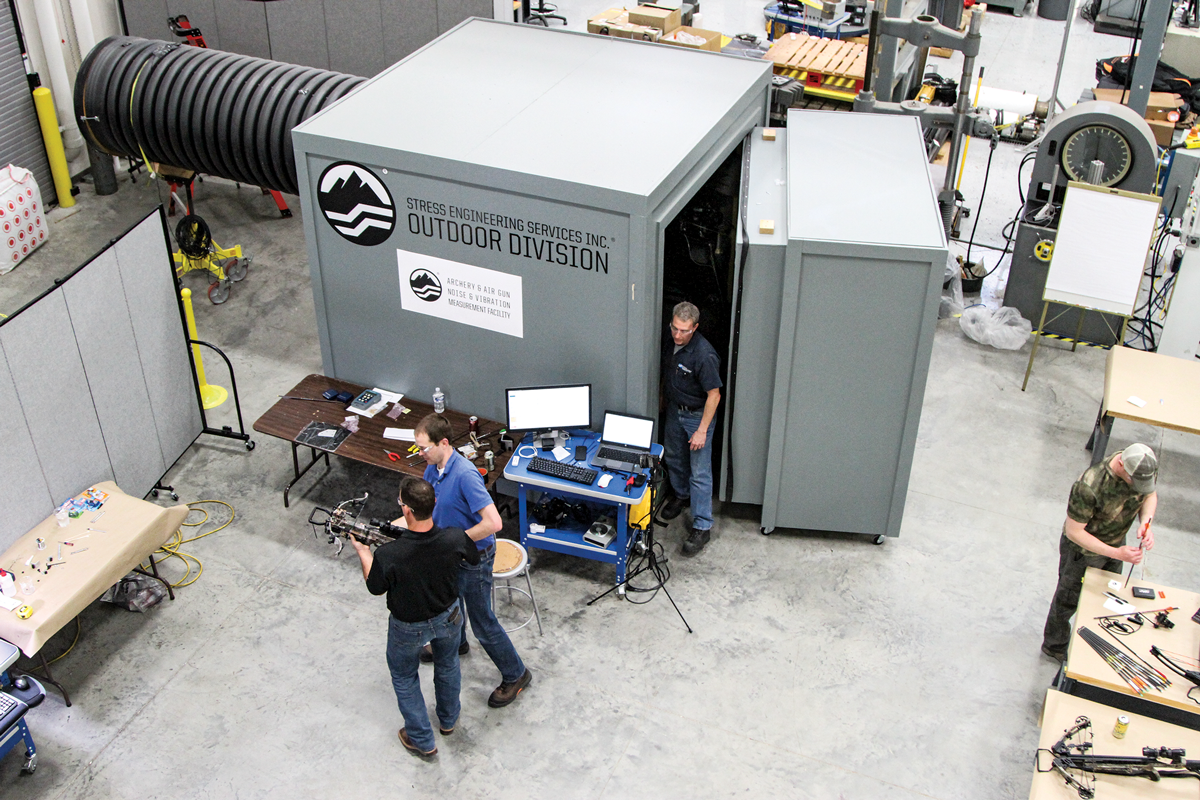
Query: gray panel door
x=452 y=12
x=147 y=18
x=407 y=26
x=201 y=14
x=355 y=35
x=53 y=391
x=298 y=32
x=23 y=494
x=20 y=134
x=243 y=27
x=104 y=332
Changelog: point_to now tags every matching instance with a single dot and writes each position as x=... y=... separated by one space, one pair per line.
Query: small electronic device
x=606 y=479
x=601 y=532
x=365 y=400
x=1143 y=592
x=623 y=441
x=540 y=408
x=344 y=397
x=581 y=452
x=330 y=394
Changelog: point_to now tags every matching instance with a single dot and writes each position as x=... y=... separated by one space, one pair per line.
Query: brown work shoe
x=404 y=740
x=507 y=692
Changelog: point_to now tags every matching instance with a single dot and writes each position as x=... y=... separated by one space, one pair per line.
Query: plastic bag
x=135 y=592
x=1003 y=328
x=952 y=292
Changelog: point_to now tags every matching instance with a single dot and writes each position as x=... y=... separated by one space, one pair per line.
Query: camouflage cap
x=1139 y=461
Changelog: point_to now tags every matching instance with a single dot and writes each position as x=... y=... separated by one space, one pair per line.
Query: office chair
x=543 y=13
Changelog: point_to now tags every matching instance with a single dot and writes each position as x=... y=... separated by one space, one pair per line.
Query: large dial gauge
x=1097 y=143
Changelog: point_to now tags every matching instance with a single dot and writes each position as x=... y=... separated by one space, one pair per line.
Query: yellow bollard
x=44 y=104
x=211 y=396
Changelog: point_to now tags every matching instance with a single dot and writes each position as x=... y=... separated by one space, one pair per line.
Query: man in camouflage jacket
x=1103 y=504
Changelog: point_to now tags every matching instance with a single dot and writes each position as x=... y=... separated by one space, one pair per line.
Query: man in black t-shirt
x=692 y=388
x=419 y=573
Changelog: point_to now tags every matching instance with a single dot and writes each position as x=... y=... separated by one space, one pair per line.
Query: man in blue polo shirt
x=463 y=502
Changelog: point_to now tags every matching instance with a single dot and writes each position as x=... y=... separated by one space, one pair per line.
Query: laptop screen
x=630 y=431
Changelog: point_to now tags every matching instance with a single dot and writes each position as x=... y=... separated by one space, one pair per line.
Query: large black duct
x=204 y=110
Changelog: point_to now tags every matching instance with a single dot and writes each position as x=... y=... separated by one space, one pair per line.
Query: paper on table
x=1118 y=607
x=8 y=603
x=1137 y=401
x=388 y=397
x=331 y=432
x=560 y=452
x=400 y=434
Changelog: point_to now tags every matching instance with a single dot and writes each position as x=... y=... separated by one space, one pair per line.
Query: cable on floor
x=171 y=549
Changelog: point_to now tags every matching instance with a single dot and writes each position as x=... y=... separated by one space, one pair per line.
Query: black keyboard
x=613 y=454
x=566 y=472
x=11 y=710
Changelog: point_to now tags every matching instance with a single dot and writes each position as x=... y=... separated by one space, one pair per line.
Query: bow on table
x=342 y=523
x=1072 y=758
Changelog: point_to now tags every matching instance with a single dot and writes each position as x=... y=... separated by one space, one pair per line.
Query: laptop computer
x=624 y=439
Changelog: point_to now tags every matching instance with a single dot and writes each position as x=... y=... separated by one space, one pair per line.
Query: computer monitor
x=539 y=408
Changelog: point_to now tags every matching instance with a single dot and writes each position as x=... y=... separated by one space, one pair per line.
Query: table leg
x=523 y=515
x=48 y=677
x=316 y=456
x=622 y=546
x=1078 y=330
x=154 y=574
x=1037 y=339
x=1100 y=437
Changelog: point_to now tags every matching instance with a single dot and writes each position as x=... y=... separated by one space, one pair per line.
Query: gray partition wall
x=96 y=382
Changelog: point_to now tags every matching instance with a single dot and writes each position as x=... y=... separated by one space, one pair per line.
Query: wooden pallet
x=823 y=65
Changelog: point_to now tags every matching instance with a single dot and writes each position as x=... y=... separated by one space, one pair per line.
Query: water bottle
x=439 y=400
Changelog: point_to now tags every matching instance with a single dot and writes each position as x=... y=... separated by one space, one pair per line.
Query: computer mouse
x=21 y=682
x=604 y=480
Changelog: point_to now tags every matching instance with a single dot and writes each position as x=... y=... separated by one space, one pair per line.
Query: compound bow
x=342 y=523
x=1067 y=757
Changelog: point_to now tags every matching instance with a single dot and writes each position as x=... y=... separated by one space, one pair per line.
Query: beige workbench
x=1059 y=714
x=1085 y=666
x=1170 y=386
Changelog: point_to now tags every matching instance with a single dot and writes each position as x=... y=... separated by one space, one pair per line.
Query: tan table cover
x=132 y=530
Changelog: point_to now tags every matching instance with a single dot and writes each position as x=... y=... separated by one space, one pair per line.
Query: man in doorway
x=418 y=570
x=1103 y=504
x=463 y=501
x=692 y=388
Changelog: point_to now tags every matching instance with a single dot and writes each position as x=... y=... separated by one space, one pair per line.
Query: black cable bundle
x=193 y=236
x=199 y=109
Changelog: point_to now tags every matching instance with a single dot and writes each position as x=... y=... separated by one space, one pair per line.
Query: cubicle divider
x=96 y=381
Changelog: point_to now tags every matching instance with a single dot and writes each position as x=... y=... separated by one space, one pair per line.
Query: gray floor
x=820 y=666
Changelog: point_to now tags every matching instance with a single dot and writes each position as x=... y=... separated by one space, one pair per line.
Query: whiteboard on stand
x=1100 y=252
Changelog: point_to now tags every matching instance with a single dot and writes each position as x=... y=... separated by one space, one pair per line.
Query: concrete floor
x=821 y=666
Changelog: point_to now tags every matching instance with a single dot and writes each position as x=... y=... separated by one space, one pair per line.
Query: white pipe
x=1019 y=103
x=85 y=36
x=60 y=82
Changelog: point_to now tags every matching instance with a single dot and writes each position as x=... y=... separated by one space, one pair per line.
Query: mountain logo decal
x=425 y=285
x=356 y=203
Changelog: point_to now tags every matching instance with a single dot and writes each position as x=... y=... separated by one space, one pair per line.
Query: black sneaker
x=427 y=652
x=674 y=507
x=695 y=542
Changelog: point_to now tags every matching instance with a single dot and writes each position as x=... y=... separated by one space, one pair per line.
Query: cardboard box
x=1160 y=104
x=712 y=39
x=606 y=19
x=665 y=19
x=639 y=32
x=1163 y=131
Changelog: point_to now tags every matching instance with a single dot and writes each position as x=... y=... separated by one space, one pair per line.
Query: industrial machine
x=1095 y=142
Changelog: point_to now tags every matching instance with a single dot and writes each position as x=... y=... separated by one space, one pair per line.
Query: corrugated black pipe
x=204 y=110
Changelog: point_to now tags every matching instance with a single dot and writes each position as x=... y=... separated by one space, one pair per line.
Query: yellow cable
x=64 y=652
x=966 y=144
x=170 y=549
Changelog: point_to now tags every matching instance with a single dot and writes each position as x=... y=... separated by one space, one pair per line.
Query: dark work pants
x=1071 y=566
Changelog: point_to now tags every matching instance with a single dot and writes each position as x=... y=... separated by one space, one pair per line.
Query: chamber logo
x=356 y=203
x=425 y=285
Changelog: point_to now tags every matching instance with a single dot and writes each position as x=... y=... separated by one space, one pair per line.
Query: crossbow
x=343 y=523
x=1072 y=759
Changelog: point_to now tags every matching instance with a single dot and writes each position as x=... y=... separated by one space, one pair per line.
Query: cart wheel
x=235 y=269
x=218 y=292
x=764 y=531
x=30 y=764
x=250 y=445
x=174 y=496
x=879 y=539
x=154 y=492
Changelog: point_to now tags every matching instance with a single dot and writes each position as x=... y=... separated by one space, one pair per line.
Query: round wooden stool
x=512 y=561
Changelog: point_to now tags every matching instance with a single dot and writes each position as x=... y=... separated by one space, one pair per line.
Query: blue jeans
x=405 y=641
x=690 y=470
x=475 y=592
